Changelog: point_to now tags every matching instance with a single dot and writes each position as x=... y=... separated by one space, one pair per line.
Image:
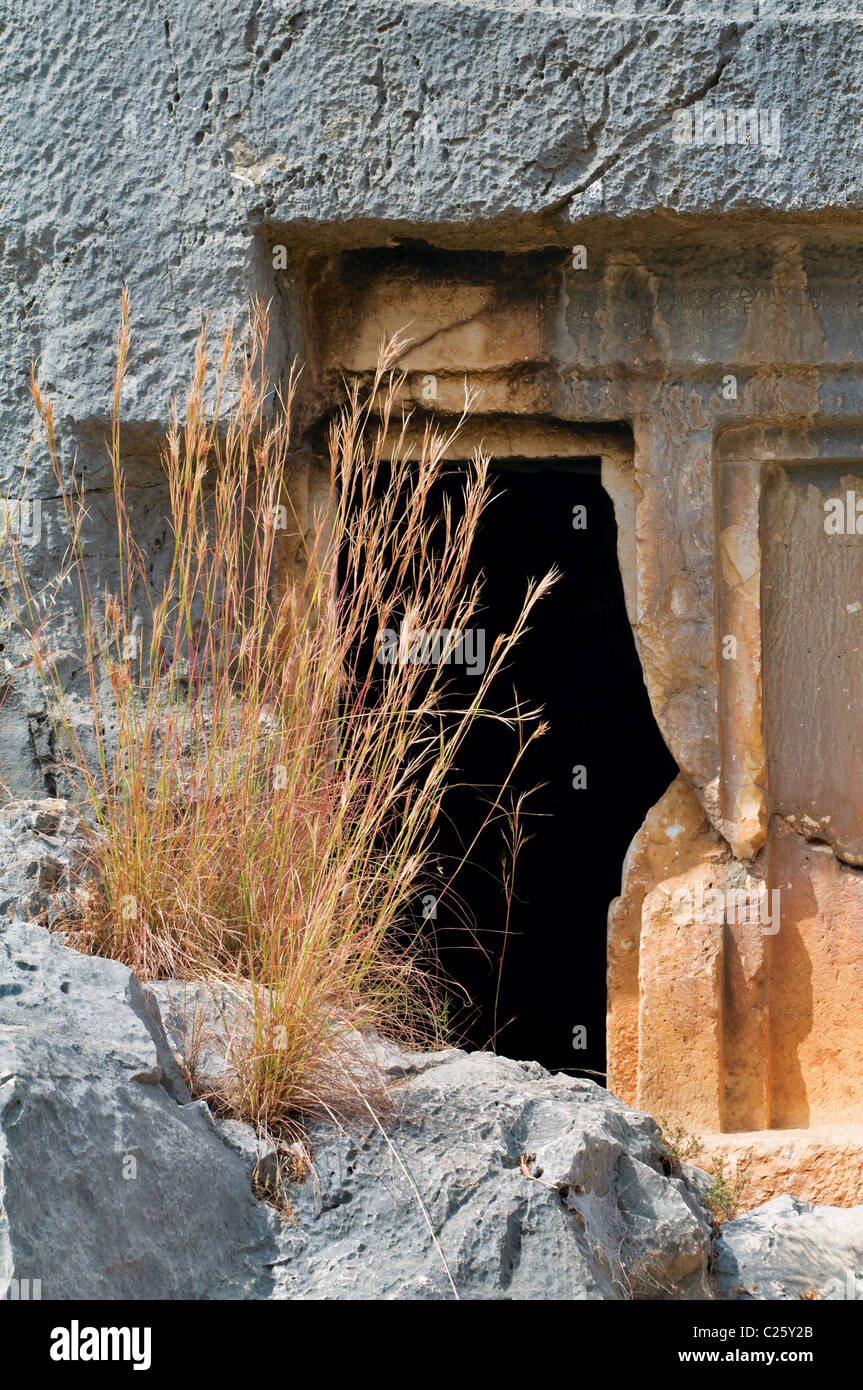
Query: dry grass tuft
x=263 y=813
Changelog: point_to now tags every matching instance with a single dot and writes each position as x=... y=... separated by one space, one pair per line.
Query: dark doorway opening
x=545 y=978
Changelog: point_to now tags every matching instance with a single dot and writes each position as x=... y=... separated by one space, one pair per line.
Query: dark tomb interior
x=522 y=979
x=526 y=985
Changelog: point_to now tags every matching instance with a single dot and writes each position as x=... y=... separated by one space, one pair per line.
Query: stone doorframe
x=515 y=439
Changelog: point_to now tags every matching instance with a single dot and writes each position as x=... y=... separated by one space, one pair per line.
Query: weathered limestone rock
x=114 y=1184
x=204 y=1026
x=551 y=1191
x=42 y=858
x=788 y=1249
x=466 y=118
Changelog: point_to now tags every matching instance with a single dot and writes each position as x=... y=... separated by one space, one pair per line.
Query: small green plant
x=676 y=1145
x=722 y=1198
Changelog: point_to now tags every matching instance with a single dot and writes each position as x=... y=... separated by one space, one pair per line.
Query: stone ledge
x=823 y=1165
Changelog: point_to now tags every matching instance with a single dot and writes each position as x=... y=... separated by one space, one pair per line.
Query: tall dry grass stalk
x=263 y=813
